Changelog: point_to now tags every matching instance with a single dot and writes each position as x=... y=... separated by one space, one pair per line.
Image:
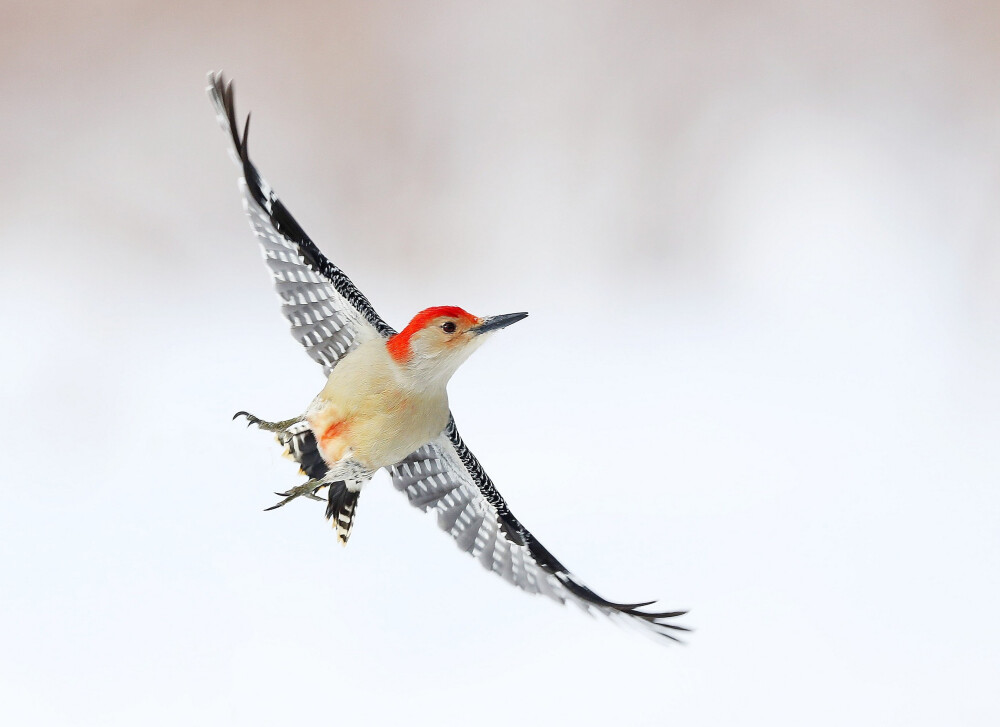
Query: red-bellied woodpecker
x=385 y=404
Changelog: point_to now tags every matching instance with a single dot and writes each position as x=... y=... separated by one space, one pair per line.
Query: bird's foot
x=267 y=426
x=306 y=489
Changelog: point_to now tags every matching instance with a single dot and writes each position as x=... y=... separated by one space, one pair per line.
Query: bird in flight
x=385 y=404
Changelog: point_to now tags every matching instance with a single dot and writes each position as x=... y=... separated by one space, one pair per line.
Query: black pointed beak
x=495 y=323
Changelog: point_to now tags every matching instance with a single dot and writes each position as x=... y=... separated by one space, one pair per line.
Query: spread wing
x=445 y=476
x=329 y=316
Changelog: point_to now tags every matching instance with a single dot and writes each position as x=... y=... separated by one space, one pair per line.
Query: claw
x=251 y=419
x=277 y=427
x=306 y=489
x=293 y=494
x=275 y=507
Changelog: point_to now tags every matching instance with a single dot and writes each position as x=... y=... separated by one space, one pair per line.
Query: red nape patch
x=399 y=345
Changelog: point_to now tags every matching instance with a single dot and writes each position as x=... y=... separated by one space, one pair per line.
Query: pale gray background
x=759 y=245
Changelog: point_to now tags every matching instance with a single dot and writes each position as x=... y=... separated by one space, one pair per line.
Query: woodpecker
x=385 y=404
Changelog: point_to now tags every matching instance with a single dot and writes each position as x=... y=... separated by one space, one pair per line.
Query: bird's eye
x=448 y=327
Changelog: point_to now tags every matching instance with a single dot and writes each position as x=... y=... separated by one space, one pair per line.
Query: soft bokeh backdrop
x=759 y=244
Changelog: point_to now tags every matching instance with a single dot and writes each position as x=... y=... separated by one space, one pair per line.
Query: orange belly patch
x=335 y=430
x=332 y=449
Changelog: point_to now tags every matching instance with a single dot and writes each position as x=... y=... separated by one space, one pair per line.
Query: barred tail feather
x=340 y=507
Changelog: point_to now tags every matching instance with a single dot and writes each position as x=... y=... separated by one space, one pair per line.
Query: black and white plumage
x=445 y=476
x=329 y=316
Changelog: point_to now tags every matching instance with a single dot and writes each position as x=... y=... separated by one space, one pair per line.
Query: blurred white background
x=759 y=245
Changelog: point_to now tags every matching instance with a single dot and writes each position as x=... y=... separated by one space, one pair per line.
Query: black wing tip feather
x=626 y=609
x=520 y=535
x=655 y=619
x=223 y=97
x=221 y=92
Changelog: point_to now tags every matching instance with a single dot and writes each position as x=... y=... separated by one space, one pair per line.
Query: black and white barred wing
x=329 y=316
x=446 y=477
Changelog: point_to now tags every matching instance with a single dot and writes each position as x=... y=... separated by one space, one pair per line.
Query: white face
x=438 y=349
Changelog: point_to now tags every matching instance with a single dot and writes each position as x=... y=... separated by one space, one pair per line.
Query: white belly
x=370 y=413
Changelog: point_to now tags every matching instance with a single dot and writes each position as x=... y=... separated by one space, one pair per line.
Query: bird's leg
x=268 y=426
x=306 y=489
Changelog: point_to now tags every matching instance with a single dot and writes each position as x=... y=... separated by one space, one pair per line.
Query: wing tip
x=220 y=91
x=516 y=535
x=654 y=621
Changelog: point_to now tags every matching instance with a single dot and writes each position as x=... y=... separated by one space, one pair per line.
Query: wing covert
x=445 y=476
x=329 y=316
